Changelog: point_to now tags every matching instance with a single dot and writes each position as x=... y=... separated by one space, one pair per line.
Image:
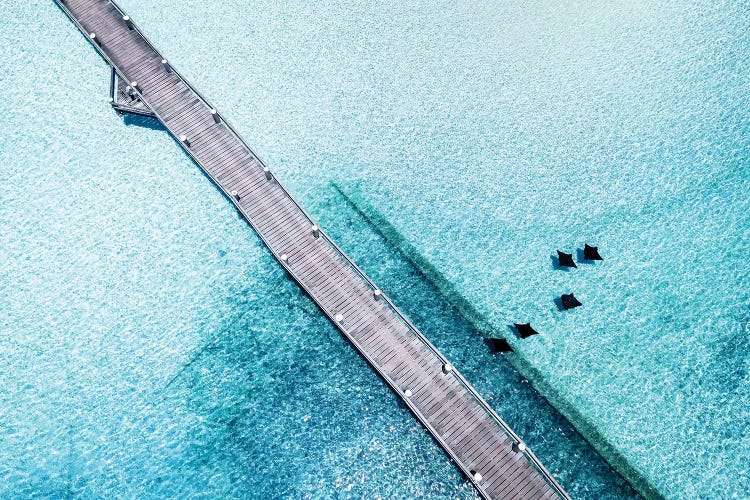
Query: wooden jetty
x=491 y=455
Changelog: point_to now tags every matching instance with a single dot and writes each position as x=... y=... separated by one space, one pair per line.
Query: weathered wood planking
x=478 y=441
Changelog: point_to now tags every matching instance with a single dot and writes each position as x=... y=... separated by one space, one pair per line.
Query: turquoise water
x=622 y=124
x=149 y=344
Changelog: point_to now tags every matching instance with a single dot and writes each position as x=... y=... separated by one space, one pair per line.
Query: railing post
x=112 y=85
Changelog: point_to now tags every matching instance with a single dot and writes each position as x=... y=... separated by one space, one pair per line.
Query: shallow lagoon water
x=149 y=344
x=623 y=125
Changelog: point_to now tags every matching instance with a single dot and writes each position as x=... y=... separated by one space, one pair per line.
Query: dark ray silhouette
x=566 y=259
x=499 y=345
x=591 y=253
x=525 y=330
x=569 y=301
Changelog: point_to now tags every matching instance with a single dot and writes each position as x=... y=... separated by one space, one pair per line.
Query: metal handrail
x=465 y=383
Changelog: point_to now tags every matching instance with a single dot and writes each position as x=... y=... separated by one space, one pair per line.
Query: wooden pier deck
x=479 y=442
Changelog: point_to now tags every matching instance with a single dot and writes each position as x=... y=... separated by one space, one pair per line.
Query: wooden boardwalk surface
x=479 y=442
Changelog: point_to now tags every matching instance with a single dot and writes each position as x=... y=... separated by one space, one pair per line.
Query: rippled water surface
x=621 y=124
x=149 y=344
